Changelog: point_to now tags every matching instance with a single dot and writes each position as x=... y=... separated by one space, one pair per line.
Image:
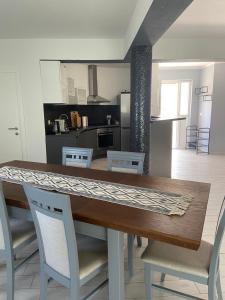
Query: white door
x=176 y=101
x=10 y=138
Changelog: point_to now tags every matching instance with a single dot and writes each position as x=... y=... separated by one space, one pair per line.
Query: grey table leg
x=116 y=264
x=130 y=247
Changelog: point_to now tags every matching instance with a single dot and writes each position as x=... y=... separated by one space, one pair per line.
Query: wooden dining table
x=109 y=221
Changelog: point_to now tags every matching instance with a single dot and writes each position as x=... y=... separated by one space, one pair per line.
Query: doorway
x=175 y=100
x=11 y=143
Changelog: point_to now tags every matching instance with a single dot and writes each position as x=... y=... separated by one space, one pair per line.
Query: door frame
x=179 y=81
x=22 y=131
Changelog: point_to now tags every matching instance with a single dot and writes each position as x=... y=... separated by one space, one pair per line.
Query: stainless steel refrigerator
x=125 y=121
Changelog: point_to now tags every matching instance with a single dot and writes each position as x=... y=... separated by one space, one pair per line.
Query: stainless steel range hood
x=93 y=97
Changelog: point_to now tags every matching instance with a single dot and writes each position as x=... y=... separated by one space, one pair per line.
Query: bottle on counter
x=56 y=128
x=84 y=121
x=108 y=117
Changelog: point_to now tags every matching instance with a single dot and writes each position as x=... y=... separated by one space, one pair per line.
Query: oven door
x=105 y=139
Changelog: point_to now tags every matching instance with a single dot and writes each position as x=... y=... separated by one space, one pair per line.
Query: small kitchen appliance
x=61 y=125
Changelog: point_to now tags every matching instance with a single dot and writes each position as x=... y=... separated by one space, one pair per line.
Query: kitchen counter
x=88 y=137
x=161 y=144
x=164 y=119
x=78 y=131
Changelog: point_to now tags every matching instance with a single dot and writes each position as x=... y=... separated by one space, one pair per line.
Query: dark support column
x=141 y=65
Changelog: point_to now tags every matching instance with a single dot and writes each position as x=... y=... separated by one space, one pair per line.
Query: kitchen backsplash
x=96 y=113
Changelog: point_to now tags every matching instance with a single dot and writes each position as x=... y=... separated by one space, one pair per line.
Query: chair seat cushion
x=22 y=232
x=92 y=254
x=179 y=259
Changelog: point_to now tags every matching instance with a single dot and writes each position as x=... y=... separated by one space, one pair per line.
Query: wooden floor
x=186 y=165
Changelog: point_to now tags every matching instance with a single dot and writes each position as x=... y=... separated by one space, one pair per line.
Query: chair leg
x=130 y=248
x=212 y=290
x=163 y=275
x=10 y=279
x=75 y=293
x=43 y=285
x=148 y=281
x=218 y=287
x=139 y=241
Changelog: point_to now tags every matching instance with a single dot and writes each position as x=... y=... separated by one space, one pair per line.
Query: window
x=175 y=98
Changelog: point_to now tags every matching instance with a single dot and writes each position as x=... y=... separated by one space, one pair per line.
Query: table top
x=184 y=231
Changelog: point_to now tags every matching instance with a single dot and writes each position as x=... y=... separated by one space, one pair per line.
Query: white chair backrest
x=55 y=230
x=5 y=234
x=77 y=157
x=126 y=162
x=218 y=241
x=54 y=243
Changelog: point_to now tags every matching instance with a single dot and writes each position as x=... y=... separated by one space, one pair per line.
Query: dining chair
x=201 y=266
x=127 y=162
x=77 y=157
x=15 y=235
x=62 y=257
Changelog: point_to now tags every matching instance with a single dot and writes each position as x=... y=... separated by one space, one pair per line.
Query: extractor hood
x=93 y=97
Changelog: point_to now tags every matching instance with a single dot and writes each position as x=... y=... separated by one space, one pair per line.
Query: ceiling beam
x=161 y=15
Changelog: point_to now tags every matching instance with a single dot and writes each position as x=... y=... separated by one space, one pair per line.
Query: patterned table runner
x=142 y=198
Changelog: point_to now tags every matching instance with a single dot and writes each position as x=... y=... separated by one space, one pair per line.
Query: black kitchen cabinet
x=54 y=145
x=87 y=139
x=84 y=138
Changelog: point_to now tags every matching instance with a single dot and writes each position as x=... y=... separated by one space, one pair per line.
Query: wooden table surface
x=185 y=231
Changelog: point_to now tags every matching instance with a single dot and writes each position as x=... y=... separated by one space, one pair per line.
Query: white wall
x=202 y=49
x=23 y=56
x=217 y=131
x=185 y=74
x=112 y=78
x=112 y=81
x=155 y=101
x=205 y=107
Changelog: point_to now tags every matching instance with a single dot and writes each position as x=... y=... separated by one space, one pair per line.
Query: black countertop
x=78 y=131
x=165 y=119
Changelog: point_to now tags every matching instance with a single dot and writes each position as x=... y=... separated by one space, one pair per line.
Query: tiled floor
x=186 y=165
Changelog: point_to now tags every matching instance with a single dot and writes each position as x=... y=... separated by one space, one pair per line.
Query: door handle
x=13 y=128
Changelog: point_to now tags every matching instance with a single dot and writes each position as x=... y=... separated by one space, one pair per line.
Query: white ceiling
x=203 y=18
x=65 y=18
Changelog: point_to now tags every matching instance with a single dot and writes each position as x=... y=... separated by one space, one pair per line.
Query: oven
x=105 y=138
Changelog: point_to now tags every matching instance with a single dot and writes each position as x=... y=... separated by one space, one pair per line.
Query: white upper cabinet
x=51 y=82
